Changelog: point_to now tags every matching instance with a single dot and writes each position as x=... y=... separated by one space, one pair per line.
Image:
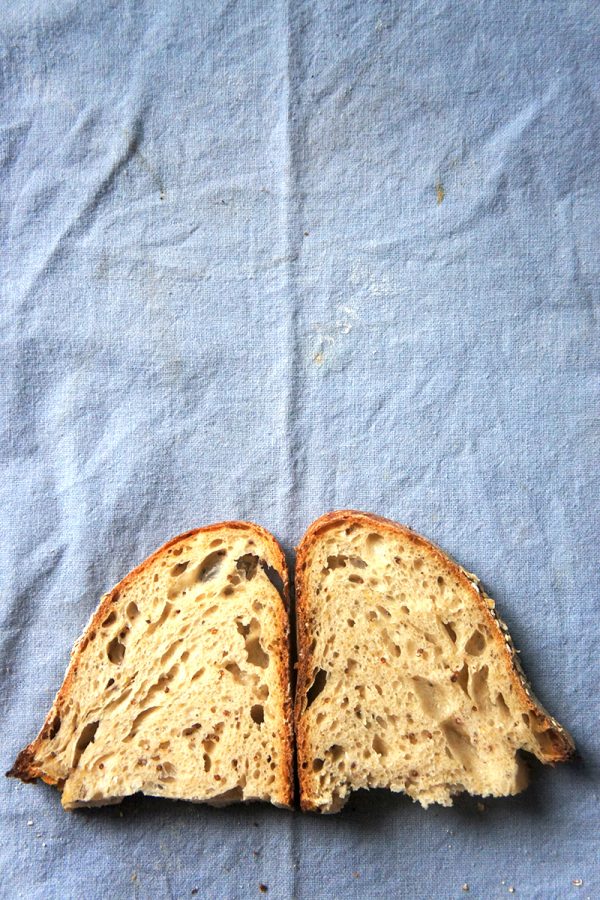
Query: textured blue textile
x=261 y=260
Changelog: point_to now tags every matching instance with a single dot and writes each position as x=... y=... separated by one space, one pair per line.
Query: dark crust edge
x=563 y=746
x=25 y=766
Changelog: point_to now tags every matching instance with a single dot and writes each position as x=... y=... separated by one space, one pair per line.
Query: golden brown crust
x=562 y=745
x=25 y=766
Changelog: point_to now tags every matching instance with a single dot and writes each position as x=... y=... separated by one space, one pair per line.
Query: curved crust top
x=25 y=766
x=562 y=746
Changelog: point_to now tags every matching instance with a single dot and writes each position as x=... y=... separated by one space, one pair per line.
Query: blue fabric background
x=261 y=260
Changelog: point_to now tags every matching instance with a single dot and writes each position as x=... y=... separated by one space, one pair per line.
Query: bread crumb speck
x=30 y=822
x=134 y=876
x=511 y=890
x=263 y=888
x=465 y=887
x=578 y=882
x=356 y=874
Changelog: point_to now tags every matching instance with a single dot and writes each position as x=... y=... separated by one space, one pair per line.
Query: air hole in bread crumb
x=247 y=565
x=357 y=562
x=355 y=579
x=379 y=745
x=336 y=751
x=86 y=738
x=179 y=568
x=228 y=590
x=197 y=675
x=545 y=740
x=459 y=743
x=111 y=617
x=316 y=688
x=405 y=610
x=139 y=720
x=525 y=718
x=235 y=671
x=115 y=651
x=109 y=683
x=210 y=566
x=209 y=747
x=462 y=678
x=501 y=704
x=417 y=563
x=257 y=713
x=132 y=611
x=351 y=623
x=317 y=765
x=336 y=562
x=479 y=688
x=216 y=543
x=191 y=729
x=373 y=540
x=54 y=728
x=448 y=626
x=254 y=650
x=166 y=610
x=476 y=644
x=427 y=696
x=263 y=692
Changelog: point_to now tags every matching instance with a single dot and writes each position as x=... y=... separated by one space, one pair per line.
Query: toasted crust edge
x=563 y=746
x=24 y=766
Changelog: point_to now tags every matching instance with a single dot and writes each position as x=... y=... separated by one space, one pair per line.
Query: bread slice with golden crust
x=407 y=678
x=179 y=686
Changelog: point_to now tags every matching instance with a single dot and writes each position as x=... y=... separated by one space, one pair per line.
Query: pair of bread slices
x=181 y=684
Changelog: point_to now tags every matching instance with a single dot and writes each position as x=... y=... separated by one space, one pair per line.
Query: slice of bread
x=179 y=686
x=407 y=679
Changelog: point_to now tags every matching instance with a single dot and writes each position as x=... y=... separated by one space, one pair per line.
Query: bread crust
x=562 y=745
x=25 y=766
